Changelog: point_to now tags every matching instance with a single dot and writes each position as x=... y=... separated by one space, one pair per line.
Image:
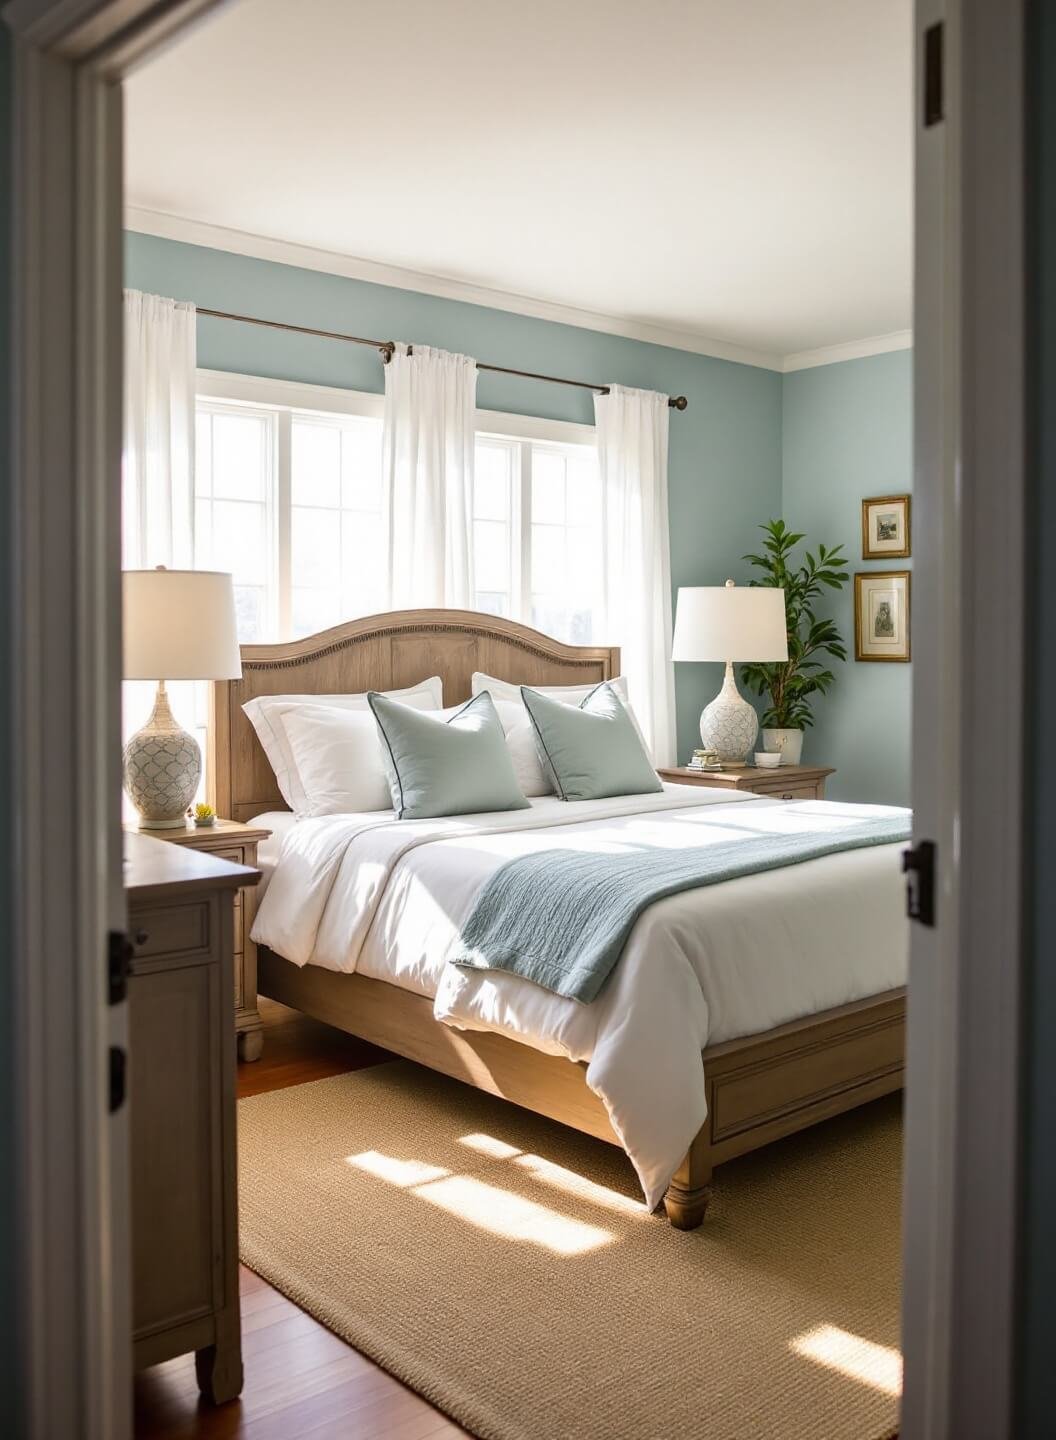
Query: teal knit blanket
x=562 y=917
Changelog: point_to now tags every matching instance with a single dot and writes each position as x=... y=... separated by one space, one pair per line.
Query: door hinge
x=118 y=961
x=918 y=866
x=934 y=100
x=118 y=1067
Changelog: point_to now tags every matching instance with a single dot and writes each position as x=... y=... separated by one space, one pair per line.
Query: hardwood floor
x=300 y=1380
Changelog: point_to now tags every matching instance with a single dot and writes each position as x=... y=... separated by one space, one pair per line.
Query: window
x=234 y=508
x=537 y=535
x=288 y=497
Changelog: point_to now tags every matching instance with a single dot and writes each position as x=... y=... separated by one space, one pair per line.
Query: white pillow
x=569 y=694
x=520 y=741
x=265 y=711
x=338 y=759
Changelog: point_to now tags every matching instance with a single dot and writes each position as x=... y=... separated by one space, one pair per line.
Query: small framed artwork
x=881 y=615
x=885 y=528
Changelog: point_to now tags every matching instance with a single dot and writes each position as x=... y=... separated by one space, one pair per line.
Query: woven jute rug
x=501 y=1266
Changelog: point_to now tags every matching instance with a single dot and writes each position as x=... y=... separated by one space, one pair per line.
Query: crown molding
x=307 y=257
x=331 y=262
x=851 y=350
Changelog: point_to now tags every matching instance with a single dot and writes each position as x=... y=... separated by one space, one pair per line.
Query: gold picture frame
x=885 y=527
x=882 y=616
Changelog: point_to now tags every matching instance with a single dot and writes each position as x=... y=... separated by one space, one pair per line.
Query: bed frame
x=758 y=1089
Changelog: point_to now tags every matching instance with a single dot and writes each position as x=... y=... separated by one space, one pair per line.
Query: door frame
x=964 y=1046
x=963 y=1071
x=65 y=616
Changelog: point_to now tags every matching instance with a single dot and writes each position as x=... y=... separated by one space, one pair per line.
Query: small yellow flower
x=204 y=812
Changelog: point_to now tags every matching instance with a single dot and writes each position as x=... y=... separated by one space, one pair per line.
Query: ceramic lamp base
x=163 y=765
x=729 y=724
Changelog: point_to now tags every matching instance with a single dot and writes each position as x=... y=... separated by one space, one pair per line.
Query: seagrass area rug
x=502 y=1266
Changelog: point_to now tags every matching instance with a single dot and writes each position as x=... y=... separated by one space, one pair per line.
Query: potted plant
x=791 y=684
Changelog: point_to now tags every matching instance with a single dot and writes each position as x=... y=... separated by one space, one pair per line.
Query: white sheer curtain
x=158 y=460
x=158 y=471
x=632 y=457
x=428 y=448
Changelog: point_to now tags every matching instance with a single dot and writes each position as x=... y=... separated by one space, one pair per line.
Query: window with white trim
x=289 y=498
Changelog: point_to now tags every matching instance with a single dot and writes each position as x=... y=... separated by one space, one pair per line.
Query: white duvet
x=387 y=898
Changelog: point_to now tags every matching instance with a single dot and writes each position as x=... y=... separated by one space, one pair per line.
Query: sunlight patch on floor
x=548 y=1173
x=500 y=1212
x=404 y=1173
x=488 y=1145
x=512 y=1217
x=878 y=1366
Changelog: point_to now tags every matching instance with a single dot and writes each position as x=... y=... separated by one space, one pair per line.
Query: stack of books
x=704 y=760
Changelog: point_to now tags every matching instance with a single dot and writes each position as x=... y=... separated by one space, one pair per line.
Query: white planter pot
x=788 y=742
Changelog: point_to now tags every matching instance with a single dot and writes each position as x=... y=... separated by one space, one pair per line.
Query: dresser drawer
x=170 y=930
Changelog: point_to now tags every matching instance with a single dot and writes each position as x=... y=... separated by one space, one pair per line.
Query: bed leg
x=689 y=1192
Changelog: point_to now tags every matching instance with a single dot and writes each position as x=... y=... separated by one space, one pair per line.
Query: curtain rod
x=388 y=347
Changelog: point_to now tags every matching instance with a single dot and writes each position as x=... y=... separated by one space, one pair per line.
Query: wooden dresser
x=182 y=1109
x=786 y=782
x=229 y=840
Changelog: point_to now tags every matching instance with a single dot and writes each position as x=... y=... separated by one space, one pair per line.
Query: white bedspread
x=387 y=898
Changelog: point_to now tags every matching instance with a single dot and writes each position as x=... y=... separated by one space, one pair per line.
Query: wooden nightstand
x=787 y=782
x=229 y=840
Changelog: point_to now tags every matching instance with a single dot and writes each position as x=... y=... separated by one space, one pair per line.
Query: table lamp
x=730 y=623
x=179 y=625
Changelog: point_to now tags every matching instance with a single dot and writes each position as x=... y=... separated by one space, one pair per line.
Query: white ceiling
x=738 y=171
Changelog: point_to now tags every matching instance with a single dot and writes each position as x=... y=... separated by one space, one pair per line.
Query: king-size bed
x=739 y=1011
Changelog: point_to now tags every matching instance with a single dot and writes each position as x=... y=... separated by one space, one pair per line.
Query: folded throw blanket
x=562 y=917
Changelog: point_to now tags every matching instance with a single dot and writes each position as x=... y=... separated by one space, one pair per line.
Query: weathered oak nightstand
x=228 y=840
x=787 y=782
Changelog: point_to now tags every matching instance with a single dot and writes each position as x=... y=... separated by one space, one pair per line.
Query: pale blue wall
x=725 y=453
x=847 y=434
x=753 y=444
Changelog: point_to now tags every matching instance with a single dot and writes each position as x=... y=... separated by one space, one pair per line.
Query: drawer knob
x=787 y=795
x=141 y=937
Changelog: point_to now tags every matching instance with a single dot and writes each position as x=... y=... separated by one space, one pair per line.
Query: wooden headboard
x=380 y=652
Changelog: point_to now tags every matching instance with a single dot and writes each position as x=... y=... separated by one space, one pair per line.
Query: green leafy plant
x=791 y=684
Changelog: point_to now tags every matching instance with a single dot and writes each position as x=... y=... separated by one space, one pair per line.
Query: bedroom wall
x=725 y=449
x=847 y=434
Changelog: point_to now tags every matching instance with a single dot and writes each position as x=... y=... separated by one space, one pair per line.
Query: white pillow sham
x=520 y=736
x=338 y=758
x=265 y=714
x=520 y=741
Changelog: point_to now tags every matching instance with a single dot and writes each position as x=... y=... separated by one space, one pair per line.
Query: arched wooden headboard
x=378 y=652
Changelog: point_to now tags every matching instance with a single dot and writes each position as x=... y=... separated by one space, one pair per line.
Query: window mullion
x=283 y=490
x=523 y=534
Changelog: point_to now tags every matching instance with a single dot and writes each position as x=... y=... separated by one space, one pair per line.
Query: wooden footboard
x=758 y=1089
x=766 y=1086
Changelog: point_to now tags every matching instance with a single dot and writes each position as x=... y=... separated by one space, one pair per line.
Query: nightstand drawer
x=171 y=930
x=235 y=854
x=794 y=792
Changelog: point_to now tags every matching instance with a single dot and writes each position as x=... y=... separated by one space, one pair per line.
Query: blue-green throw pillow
x=455 y=766
x=590 y=750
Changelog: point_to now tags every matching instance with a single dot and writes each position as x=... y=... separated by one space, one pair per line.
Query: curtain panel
x=632 y=431
x=158 y=458
x=428 y=450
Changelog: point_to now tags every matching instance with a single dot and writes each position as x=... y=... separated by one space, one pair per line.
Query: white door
x=962 y=1062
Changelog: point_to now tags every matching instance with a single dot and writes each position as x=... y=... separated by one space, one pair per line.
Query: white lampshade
x=180 y=625
x=730 y=622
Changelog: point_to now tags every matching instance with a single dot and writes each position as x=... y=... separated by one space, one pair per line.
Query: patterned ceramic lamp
x=179 y=625
x=728 y=623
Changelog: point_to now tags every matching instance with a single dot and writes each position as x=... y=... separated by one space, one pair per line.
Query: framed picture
x=885 y=528
x=881 y=615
